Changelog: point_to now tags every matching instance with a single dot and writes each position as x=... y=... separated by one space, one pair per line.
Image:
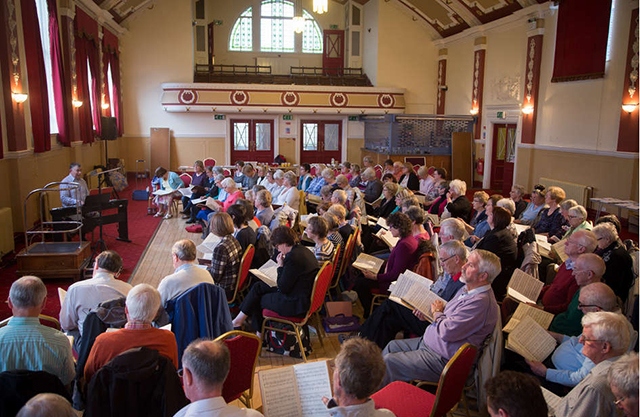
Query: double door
x=252 y=140
x=320 y=141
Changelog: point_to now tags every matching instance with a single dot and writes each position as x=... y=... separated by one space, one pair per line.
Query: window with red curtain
x=38 y=99
x=87 y=59
x=110 y=60
x=581 y=40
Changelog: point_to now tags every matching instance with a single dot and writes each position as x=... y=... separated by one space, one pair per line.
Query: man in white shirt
x=205 y=366
x=186 y=275
x=84 y=296
x=70 y=196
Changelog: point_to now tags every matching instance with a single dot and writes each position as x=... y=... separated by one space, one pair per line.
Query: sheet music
x=421 y=198
x=388 y=238
x=413 y=291
x=524 y=287
x=382 y=223
x=543 y=245
x=553 y=401
x=267 y=273
x=186 y=191
x=62 y=294
x=558 y=248
x=531 y=341
x=304 y=219
x=521 y=227
x=422 y=300
x=313 y=384
x=366 y=262
x=433 y=218
x=541 y=317
x=209 y=244
x=163 y=192
x=199 y=200
x=279 y=392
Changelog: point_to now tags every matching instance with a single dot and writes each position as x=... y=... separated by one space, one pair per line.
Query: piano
x=92 y=215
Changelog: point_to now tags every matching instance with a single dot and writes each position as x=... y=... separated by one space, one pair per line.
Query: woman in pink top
x=229 y=185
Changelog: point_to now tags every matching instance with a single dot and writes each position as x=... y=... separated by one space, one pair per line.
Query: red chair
x=431 y=170
x=416 y=168
x=406 y=400
x=186 y=179
x=346 y=258
x=320 y=286
x=245 y=265
x=226 y=172
x=244 y=349
x=209 y=162
x=378 y=170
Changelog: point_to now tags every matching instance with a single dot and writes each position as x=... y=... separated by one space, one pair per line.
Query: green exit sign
x=287 y=117
x=333 y=27
x=501 y=115
x=353 y=118
x=219 y=117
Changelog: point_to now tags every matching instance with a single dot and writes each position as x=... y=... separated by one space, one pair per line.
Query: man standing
x=205 y=366
x=186 y=275
x=605 y=337
x=84 y=296
x=25 y=343
x=71 y=195
x=468 y=318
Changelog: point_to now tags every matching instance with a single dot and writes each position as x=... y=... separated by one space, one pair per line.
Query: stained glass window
x=241 y=136
x=331 y=137
x=263 y=136
x=242 y=32
x=309 y=137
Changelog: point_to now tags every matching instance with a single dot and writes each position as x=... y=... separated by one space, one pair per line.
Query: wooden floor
x=156 y=264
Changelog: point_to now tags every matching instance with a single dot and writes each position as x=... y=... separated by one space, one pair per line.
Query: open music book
x=553 y=401
x=521 y=228
x=413 y=291
x=268 y=273
x=524 y=287
x=369 y=263
x=544 y=247
x=304 y=219
x=209 y=244
x=387 y=238
x=186 y=191
x=530 y=340
x=541 y=317
x=295 y=390
x=558 y=249
x=433 y=218
x=163 y=192
x=62 y=294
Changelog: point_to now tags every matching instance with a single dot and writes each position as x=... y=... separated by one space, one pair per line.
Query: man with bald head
x=587 y=269
x=205 y=366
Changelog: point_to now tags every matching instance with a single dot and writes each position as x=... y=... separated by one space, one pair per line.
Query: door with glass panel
x=252 y=140
x=321 y=141
x=503 y=157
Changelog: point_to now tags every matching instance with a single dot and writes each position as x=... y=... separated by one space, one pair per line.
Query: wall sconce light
x=528 y=109
x=76 y=103
x=474 y=111
x=320 y=6
x=104 y=105
x=19 y=97
x=629 y=107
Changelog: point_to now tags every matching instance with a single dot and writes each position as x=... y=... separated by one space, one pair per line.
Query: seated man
x=186 y=275
x=70 y=196
x=587 y=269
x=358 y=373
x=25 y=343
x=570 y=365
x=512 y=394
x=84 y=296
x=391 y=318
x=469 y=317
x=143 y=303
x=205 y=365
x=605 y=337
x=47 y=404
x=623 y=381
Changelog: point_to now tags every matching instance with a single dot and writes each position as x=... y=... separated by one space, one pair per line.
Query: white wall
x=370 y=40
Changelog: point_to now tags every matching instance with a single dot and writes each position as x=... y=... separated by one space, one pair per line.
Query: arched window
x=275 y=26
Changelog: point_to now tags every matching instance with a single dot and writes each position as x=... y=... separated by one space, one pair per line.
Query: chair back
x=339 y=263
x=453 y=379
x=186 y=179
x=416 y=168
x=209 y=162
x=226 y=172
x=303 y=205
x=320 y=287
x=245 y=265
x=378 y=170
x=244 y=349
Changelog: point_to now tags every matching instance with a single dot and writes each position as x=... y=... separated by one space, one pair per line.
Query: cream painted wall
x=504 y=77
x=370 y=40
x=459 y=77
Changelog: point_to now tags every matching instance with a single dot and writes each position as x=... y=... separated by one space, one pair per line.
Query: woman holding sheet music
x=403 y=256
x=297 y=269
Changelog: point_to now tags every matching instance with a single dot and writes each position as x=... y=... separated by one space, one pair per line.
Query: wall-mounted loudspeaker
x=109 y=128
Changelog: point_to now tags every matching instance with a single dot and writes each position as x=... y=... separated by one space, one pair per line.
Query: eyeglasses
x=580 y=305
x=575 y=243
x=619 y=400
x=442 y=261
x=574 y=217
x=180 y=372
x=584 y=340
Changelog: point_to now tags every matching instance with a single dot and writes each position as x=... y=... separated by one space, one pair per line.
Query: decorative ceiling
x=443 y=17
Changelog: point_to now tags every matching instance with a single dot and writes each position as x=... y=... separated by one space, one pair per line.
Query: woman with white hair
x=289 y=193
x=577 y=218
x=619 y=272
x=458 y=205
x=233 y=195
x=623 y=380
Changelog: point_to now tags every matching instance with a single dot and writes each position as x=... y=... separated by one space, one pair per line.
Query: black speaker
x=109 y=128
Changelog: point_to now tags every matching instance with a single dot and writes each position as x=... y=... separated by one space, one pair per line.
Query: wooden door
x=503 y=157
x=252 y=140
x=159 y=148
x=321 y=141
x=462 y=157
x=333 y=52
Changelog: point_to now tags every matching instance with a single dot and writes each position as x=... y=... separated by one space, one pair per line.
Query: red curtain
x=38 y=97
x=87 y=51
x=581 y=40
x=61 y=92
x=110 y=57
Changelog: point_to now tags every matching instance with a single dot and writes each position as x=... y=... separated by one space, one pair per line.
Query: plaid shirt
x=225 y=263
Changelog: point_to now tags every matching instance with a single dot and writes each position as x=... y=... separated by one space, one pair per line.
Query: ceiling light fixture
x=320 y=6
x=298 y=19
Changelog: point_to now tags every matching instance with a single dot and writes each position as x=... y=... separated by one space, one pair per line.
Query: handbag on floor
x=287 y=344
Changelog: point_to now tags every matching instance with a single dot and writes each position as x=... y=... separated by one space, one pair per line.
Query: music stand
x=98 y=201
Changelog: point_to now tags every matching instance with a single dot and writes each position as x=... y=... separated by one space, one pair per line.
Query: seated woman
x=297 y=269
x=388 y=203
x=289 y=194
x=409 y=179
x=426 y=180
x=201 y=216
x=249 y=176
x=516 y=194
x=210 y=190
x=439 y=176
x=403 y=256
x=577 y=218
x=225 y=261
x=500 y=241
x=478 y=225
x=332 y=228
x=388 y=177
x=233 y=194
x=317 y=229
x=530 y=214
x=458 y=205
x=619 y=272
x=305 y=177
x=437 y=206
x=166 y=180
x=244 y=234
x=197 y=187
x=550 y=221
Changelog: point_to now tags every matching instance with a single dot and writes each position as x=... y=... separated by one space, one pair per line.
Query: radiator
x=581 y=193
x=6 y=231
x=279 y=66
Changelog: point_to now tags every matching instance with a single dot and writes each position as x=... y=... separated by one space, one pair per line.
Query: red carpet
x=141 y=230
